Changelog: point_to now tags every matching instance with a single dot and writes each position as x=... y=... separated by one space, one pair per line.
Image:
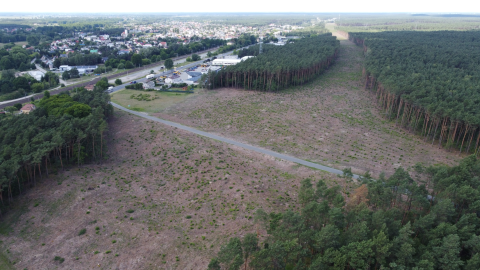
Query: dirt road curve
x=226 y=140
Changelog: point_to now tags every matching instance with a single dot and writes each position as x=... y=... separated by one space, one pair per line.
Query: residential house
x=27 y=108
x=89 y=87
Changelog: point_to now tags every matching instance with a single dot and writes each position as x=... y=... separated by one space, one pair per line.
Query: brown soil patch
x=188 y=194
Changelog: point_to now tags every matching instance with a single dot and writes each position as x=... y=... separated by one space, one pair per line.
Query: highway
x=230 y=141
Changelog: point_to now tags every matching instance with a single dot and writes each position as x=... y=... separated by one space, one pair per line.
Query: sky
x=342 y=6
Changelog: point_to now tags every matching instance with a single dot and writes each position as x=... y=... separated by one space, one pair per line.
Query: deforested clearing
x=332 y=121
x=164 y=199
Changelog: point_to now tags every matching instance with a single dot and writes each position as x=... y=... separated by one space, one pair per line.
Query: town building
x=148 y=85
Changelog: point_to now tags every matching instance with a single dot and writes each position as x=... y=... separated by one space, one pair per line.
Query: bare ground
x=332 y=121
x=188 y=195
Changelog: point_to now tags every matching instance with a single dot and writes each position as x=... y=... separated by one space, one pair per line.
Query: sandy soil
x=332 y=121
x=188 y=195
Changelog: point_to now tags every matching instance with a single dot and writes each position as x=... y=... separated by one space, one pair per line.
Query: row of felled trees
x=386 y=224
x=428 y=82
x=62 y=130
x=278 y=67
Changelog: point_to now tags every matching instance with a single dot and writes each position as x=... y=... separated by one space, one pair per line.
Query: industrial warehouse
x=229 y=61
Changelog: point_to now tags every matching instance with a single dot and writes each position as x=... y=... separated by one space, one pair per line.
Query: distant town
x=70 y=51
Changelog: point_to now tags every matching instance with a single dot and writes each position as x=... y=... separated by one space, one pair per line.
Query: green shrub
x=82 y=232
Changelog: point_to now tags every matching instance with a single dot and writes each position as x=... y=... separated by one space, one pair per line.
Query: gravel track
x=230 y=141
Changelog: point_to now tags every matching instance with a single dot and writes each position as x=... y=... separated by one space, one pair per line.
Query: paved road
x=229 y=141
x=165 y=73
x=176 y=60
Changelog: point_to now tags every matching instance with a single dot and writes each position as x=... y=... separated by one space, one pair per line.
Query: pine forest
x=386 y=224
x=62 y=130
x=279 y=67
x=427 y=82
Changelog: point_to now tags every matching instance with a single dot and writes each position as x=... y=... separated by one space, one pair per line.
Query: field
x=332 y=121
x=407 y=22
x=20 y=43
x=163 y=199
x=163 y=100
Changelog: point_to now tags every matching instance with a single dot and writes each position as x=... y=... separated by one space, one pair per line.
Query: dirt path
x=331 y=28
x=236 y=143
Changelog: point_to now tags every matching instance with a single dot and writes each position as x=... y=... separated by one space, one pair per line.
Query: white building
x=81 y=69
x=229 y=62
x=36 y=74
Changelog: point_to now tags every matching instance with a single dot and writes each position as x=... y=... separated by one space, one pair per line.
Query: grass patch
x=137 y=100
x=13 y=217
x=5 y=262
x=137 y=109
x=59 y=259
x=19 y=43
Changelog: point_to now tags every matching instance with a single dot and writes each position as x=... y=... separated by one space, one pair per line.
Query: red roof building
x=27 y=108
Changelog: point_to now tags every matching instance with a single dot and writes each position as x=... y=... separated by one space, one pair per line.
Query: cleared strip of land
x=243 y=145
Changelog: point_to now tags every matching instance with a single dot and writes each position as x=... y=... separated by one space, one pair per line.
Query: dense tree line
x=144 y=57
x=155 y=54
x=279 y=67
x=429 y=82
x=62 y=130
x=78 y=59
x=16 y=58
x=12 y=87
x=390 y=223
